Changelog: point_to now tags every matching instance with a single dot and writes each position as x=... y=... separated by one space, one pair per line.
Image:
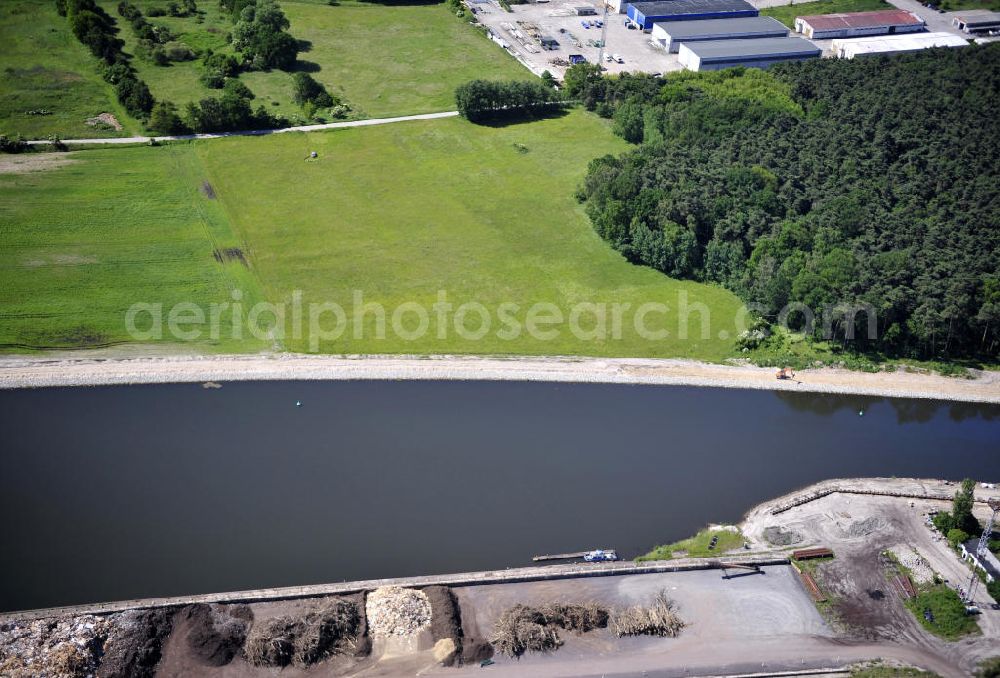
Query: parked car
x=585 y=24
x=617 y=58
x=607 y=57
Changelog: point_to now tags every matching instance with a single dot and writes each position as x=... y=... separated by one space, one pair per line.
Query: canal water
x=121 y=492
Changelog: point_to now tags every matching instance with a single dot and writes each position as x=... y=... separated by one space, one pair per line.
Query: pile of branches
x=657 y=619
x=522 y=628
x=304 y=641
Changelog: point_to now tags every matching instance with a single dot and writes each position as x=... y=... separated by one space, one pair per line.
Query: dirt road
x=253 y=133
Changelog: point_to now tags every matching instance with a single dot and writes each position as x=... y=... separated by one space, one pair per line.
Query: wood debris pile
x=395 y=611
x=657 y=619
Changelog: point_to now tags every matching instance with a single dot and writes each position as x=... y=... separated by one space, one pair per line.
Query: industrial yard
x=649 y=37
x=822 y=583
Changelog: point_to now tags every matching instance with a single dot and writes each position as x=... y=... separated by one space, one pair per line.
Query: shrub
x=156 y=11
x=165 y=120
x=15 y=145
x=989 y=668
x=234 y=87
x=128 y=11
x=307 y=90
x=135 y=96
x=957 y=536
x=178 y=51
x=993 y=588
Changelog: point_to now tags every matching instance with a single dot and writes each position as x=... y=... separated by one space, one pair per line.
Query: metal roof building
x=856 y=24
x=670 y=34
x=645 y=14
x=713 y=55
x=977 y=21
x=848 y=48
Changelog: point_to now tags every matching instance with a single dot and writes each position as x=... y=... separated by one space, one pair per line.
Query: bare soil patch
x=22 y=163
x=229 y=254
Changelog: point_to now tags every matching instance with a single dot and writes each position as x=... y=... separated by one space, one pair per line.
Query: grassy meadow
x=397 y=212
x=44 y=68
x=394 y=59
x=383 y=60
x=786 y=13
x=403 y=211
x=82 y=242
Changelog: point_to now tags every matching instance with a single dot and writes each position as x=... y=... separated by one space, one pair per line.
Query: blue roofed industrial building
x=645 y=14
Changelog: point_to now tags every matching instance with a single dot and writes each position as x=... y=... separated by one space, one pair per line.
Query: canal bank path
x=105 y=368
x=250 y=133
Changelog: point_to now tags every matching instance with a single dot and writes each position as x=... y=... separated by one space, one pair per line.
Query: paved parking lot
x=519 y=30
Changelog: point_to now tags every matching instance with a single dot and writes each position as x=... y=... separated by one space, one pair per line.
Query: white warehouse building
x=671 y=34
x=848 y=48
x=712 y=55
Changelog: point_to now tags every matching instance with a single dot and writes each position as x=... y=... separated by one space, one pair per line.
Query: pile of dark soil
x=522 y=628
x=134 y=643
x=280 y=641
x=446 y=619
x=213 y=634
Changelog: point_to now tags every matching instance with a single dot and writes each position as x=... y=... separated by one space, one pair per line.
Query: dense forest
x=829 y=182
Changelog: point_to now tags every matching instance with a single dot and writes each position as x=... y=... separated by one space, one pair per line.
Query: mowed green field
x=786 y=13
x=384 y=60
x=81 y=243
x=389 y=59
x=402 y=211
x=396 y=213
x=44 y=68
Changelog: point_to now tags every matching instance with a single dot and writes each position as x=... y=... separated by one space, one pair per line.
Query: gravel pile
x=778 y=536
x=395 y=611
x=863 y=528
x=53 y=647
x=914 y=562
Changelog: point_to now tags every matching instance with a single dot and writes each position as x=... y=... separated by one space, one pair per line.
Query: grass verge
x=697 y=546
x=786 y=13
x=948 y=619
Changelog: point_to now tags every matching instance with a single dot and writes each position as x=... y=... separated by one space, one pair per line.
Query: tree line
x=828 y=183
x=482 y=100
x=96 y=30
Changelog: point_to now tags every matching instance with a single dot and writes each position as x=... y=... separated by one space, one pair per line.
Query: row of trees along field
x=95 y=28
x=259 y=37
x=873 y=181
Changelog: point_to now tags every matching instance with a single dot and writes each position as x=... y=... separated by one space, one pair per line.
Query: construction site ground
x=864 y=606
x=532 y=20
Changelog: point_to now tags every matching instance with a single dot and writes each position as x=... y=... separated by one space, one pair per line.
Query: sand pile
x=395 y=611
